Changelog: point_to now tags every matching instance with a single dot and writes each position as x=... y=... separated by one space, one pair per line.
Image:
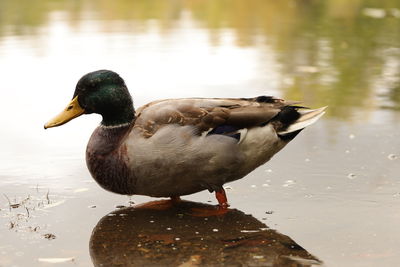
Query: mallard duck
x=176 y=147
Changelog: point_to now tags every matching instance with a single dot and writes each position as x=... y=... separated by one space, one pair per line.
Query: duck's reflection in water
x=153 y=235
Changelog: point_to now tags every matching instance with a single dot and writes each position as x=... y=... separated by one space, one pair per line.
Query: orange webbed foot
x=219 y=210
x=161 y=204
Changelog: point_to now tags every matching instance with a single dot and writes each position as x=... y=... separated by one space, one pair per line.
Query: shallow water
x=334 y=191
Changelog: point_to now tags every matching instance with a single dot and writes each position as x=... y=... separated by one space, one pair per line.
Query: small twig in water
x=49 y=236
x=47 y=196
x=14 y=206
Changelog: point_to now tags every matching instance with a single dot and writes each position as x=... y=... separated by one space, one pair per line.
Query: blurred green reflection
x=340 y=53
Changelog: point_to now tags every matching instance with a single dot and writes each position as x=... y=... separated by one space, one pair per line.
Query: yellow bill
x=72 y=111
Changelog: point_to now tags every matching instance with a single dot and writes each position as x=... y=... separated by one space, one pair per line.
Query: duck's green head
x=103 y=92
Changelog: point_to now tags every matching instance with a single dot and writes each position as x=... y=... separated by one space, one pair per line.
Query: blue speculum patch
x=227 y=130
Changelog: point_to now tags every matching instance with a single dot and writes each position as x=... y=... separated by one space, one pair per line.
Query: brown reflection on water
x=150 y=236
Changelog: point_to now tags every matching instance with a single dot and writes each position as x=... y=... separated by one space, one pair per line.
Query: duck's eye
x=70 y=107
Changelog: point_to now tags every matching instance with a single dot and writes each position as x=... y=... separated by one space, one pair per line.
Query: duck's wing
x=219 y=115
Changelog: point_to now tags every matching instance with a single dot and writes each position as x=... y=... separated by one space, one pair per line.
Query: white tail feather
x=307 y=117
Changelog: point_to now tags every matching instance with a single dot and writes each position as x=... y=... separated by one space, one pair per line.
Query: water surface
x=334 y=191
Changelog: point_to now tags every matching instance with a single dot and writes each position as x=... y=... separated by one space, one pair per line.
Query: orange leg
x=222 y=199
x=220 y=210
